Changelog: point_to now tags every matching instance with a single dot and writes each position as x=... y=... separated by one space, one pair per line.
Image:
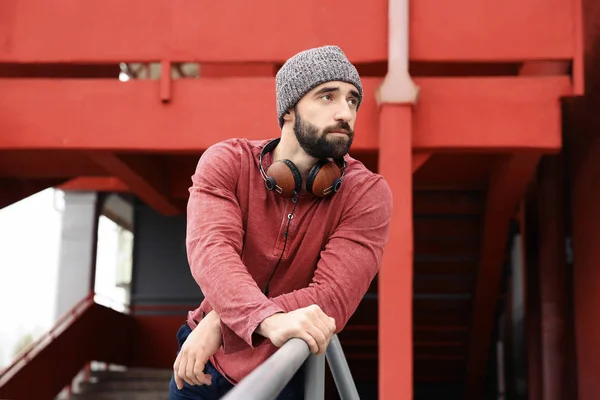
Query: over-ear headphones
x=324 y=178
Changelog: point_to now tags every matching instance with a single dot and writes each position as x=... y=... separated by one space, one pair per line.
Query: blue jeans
x=219 y=386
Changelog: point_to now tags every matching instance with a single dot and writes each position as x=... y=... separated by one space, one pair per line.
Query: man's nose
x=343 y=112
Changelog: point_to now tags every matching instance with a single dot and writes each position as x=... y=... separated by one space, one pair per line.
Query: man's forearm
x=213 y=319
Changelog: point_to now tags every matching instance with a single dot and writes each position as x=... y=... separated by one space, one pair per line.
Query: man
x=284 y=236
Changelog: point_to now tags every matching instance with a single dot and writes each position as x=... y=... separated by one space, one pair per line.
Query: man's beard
x=323 y=145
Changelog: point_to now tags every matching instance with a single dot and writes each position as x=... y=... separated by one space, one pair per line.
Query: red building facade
x=481 y=116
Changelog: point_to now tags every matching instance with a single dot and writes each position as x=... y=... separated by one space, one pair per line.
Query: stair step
x=130 y=384
x=124 y=385
x=134 y=374
x=122 y=395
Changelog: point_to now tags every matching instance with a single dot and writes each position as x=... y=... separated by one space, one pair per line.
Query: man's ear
x=288 y=116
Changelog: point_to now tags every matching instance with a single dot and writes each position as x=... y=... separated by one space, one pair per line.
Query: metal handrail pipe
x=340 y=370
x=269 y=379
x=314 y=378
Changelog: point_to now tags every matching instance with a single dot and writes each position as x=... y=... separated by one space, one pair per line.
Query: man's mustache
x=341 y=126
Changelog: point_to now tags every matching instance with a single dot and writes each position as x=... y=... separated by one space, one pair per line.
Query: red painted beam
x=457 y=114
x=506 y=188
x=490 y=113
x=43 y=164
x=418 y=159
x=14 y=190
x=95 y=183
x=213 y=31
x=491 y=30
x=40 y=70
x=143 y=176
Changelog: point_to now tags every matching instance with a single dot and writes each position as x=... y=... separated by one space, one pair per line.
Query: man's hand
x=201 y=344
x=310 y=324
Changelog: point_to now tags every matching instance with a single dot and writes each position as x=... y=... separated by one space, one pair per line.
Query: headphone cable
x=287 y=229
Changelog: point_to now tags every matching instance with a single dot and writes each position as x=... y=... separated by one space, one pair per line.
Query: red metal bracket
x=165 y=81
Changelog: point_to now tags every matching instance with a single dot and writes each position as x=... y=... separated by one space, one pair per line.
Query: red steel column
x=396 y=275
x=529 y=231
x=586 y=253
x=553 y=277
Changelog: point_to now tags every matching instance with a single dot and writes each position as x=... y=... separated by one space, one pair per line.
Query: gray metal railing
x=340 y=370
x=269 y=379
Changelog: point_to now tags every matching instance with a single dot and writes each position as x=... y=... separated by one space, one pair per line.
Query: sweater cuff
x=233 y=342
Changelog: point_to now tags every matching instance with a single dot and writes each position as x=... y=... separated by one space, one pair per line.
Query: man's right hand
x=200 y=345
x=310 y=324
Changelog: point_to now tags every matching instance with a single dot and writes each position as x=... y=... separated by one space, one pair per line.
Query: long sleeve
x=351 y=258
x=214 y=243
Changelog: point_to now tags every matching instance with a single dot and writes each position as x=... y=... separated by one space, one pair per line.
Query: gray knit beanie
x=308 y=69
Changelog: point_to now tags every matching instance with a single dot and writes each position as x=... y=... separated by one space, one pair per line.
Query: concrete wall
x=161 y=274
x=162 y=288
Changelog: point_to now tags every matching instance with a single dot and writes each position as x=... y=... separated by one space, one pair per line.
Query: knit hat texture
x=308 y=69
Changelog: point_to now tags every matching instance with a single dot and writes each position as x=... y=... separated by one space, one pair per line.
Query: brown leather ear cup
x=321 y=177
x=286 y=175
x=324 y=178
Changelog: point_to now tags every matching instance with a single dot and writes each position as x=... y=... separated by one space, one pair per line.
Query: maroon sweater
x=236 y=235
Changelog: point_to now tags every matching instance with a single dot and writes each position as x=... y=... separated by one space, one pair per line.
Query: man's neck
x=288 y=148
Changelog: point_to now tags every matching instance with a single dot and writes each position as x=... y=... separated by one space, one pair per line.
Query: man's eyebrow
x=327 y=89
x=330 y=89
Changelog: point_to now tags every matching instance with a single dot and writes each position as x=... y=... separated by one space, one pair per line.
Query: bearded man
x=284 y=235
